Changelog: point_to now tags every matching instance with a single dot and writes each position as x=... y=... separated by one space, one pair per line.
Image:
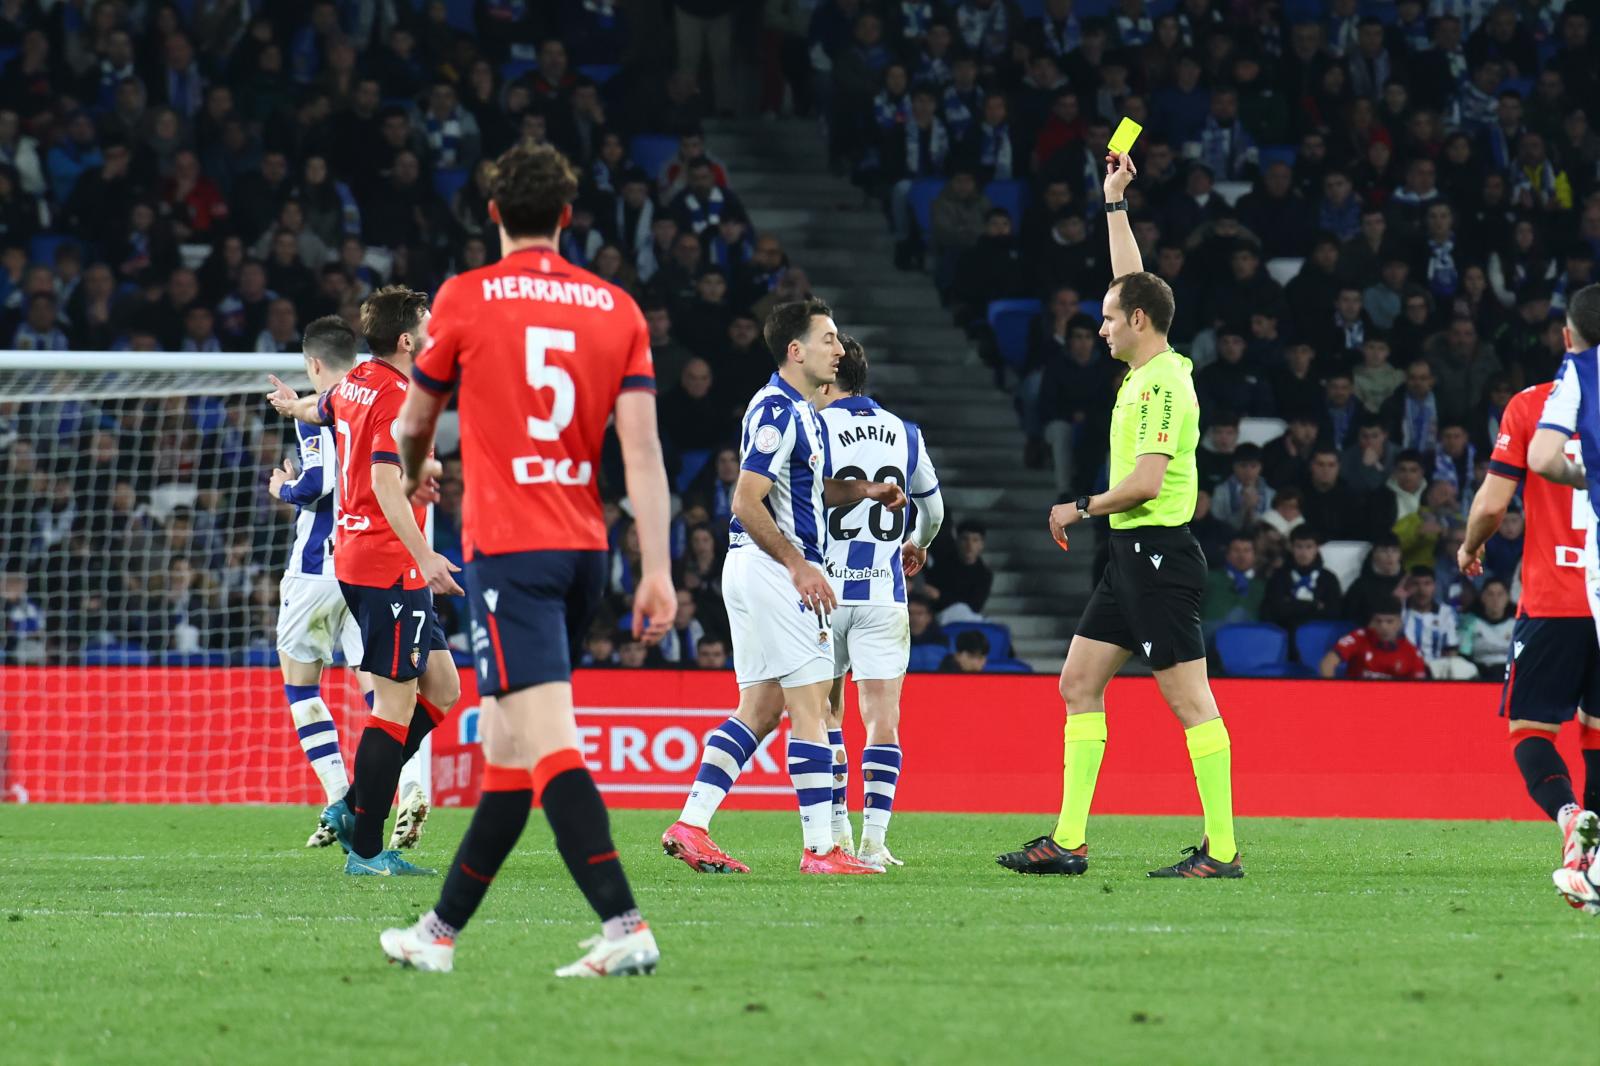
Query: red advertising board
x=987 y=743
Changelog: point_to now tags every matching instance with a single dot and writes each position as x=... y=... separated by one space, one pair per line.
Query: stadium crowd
x=1371 y=214
x=189 y=178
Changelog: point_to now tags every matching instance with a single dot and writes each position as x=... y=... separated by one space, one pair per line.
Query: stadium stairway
x=923 y=368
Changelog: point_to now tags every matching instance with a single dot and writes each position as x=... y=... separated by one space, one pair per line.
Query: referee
x=1148 y=600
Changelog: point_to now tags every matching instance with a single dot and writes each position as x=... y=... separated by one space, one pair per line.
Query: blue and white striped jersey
x=1573 y=406
x=869 y=443
x=783 y=440
x=315 y=493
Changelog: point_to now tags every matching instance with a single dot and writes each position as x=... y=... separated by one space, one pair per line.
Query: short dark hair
x=1410 y=455
x=1387 y=605
x=1422 y=571
x=388 y=313
x=789 y=322
x=1247 y=453
x=1147 y=292
x=973 y=642
x=852 y=374
x=1288 y=494
x=532 y=186
x=1304 y=531
x=972 y=525
x=1583 y=315
x=331 y=340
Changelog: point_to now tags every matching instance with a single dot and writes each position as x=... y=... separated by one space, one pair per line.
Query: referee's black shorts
x=1148 y=599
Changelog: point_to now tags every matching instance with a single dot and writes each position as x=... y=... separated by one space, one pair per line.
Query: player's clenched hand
x=436 y=571
x=887 y=493
x=812 y=584
x=913 y=558
x=1062 y=515
x=282 y=397
x=654 y=599
x=281 y=475
x=1471 y=563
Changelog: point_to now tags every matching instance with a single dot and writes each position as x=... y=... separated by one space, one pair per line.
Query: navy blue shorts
x=1553 y=670
x=529 y=610
x=398 y=629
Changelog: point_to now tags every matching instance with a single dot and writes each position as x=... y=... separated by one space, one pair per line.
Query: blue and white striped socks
x=811 y=771
x=319 y=738
x=729 y=747
x=841 y=784
x=880 y=773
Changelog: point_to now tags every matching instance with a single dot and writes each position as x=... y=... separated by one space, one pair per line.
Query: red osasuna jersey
x=362 y=409
x=1365 y=656
x=539 y=350
x=1552 y=546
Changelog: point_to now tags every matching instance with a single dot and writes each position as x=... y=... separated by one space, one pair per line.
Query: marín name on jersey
x=869 y=443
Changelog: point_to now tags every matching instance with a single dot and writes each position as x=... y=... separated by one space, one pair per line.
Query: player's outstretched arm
x=1488 y=509
x=435 y=569
x=646 y=476
x=837 y=493
x=291 y=404
x=1547 y=457
x=1125 y=257
x=749 y=492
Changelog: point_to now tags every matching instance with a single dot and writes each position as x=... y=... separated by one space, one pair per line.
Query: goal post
x=140 y=555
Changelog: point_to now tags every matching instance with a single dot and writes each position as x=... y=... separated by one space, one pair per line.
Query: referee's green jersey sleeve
x=1158 y=413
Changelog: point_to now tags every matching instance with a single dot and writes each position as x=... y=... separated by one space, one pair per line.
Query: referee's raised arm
x=1125 y=257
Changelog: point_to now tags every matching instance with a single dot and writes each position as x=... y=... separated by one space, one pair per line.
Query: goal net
x=140 y=555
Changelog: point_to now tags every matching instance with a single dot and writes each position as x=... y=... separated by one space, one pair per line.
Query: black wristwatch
x=1083 y=507
x=1120 y=205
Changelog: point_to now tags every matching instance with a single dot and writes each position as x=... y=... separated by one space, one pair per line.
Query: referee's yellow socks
x=1212 y=755
x=1085 y=747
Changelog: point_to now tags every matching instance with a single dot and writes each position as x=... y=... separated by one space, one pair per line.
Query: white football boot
x=877 y=855
x=414 y=948
x=630 y=956
x=409 y=819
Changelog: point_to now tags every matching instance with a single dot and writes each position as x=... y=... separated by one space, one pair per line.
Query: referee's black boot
x=1042 y=855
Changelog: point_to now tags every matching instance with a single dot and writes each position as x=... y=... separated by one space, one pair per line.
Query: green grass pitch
x=179 y=935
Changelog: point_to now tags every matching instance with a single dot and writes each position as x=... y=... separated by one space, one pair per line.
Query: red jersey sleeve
x=438 y=368
x=1412 y=664
x=639 y=373
x=385 y=410
x=1350 y=645
x=1510 y=456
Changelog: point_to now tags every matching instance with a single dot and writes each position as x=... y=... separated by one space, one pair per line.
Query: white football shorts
x=871 y=641
x=312 y=615
x=775 y=637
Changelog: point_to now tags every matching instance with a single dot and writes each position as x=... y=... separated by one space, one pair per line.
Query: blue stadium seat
x=650 y=151
x=1277 y=153
x=116 y=653
x=42 y=249
x=599 y=73
x=999 y=636
x=513 y=69
x=458 y=13
x=925 y=658
x=1092 y=308
x=1253 y=649
x=1009 y=320
x=195 y=658
x=923 y=192
x=259 y=656
x=447 y=181
x=1007 y=194
x=1007 y=666
x=1313 y=640
x=690 y=463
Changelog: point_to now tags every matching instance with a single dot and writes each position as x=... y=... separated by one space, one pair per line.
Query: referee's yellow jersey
x=1157 y=412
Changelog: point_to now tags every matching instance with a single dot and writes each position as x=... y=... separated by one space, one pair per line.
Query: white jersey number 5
x=542 y=375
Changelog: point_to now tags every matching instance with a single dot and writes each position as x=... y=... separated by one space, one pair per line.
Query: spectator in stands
x=1423 y=533
x=957 y=222
x=1286 y=460
x=1377 y=653
x=690 y=416
x=680 y=646
x=1296 y=387
x=701 y=565
x=1304 y=590
x=1486 y=630
x=1235 y=591
x=990 y=270
x=1276 y=213
x=1401 y=495
x=1366 y=464
x=1502 y=553
x=1339 y=410
x=924 y=627
x=40 y=331
x=1212 y=534
x=23 y=638
x=1244 y=497
x=1214 y=458
x=961 y=584
x=1330 y=505
x=1413 y=413
x=1375 y=380
x=1284 y=515
x=1434 y=628
x=1075 y=397
x=971 y=654
x=1462 y=365
x=600 y=646
x=1230 y=383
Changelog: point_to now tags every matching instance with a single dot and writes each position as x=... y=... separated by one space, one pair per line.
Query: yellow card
x=1127 y=132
